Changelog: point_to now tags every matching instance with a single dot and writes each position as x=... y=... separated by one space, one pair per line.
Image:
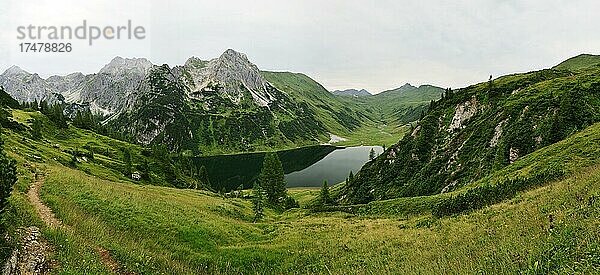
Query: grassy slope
x=373 y=128
x=395 y=103
x=155 y=229
x=525 y=107
x=163 y=230
x=570 y=155
x=580 y=62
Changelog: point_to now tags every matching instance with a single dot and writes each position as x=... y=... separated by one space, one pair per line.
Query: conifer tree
x=258 y=198
x=324 y=195
x=36 y=129
x=372 y=154
x=203 y=176
x=127 y=161
x=271 y=178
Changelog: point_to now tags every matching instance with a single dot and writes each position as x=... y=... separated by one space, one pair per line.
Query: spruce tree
x=145 y=169
x=127 y=161
x=36 y=129
x=203 y=176
x=258 y=198
x=324 y=195
x=8 y=175
x=271 y=178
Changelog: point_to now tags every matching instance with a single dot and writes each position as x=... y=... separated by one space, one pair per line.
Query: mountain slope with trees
x=475 y=131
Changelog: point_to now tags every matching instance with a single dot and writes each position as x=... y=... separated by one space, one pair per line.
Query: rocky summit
x=232 y=74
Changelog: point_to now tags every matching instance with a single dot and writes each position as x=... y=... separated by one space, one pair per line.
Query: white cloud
x=376 y=45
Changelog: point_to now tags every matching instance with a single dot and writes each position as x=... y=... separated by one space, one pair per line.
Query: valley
x=497 y=177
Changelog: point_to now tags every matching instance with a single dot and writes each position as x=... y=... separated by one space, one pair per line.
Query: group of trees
x=199 y=175
x=85 y=119
x=270 y=188
x=54 y=112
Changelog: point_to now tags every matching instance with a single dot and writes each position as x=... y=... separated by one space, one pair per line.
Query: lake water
x=303 y=167
x=333 y=168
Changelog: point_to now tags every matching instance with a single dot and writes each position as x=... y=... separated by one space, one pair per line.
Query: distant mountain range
x=226 y=103
x=352 y=92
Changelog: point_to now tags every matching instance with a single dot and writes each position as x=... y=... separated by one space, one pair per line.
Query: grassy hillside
x=338 y=116
x=153 y=230
x=360 y=121
x=404 y=104
x=580 y=62
x=472 y=132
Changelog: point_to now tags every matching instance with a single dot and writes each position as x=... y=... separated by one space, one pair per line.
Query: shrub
x=484 y=195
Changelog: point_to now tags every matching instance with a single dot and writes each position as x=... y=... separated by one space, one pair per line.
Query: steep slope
x=339 y=115
x=222 y=105
x=6 y=100
x=479 y=129
x=155 y=111
x=352 y=92
x=231 y=75
x=108 y=90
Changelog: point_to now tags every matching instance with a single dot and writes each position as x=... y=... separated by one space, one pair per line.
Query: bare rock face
x=31 y=257
x=513 y=155
x=24 y=86
x=464 y=112
x=107 y=91
x=69 y=86
x=230 y=75
x=497 y=133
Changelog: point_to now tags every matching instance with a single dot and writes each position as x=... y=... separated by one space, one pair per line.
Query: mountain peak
x=234 y=73
x=407 y=86
x=15 y=70
x=233 y=53
x=120 y=64
x=233 y=57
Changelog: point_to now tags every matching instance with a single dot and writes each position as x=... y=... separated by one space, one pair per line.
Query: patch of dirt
x=43 y=211
x=110 y=262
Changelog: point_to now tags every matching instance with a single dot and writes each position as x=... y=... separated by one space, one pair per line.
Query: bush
x=290 y=203
x=484 y=195
x=8 y=176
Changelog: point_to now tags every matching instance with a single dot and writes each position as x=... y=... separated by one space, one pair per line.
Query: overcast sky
x=376 y=45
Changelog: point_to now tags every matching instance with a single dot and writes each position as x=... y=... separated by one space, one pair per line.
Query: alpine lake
x=303 y=167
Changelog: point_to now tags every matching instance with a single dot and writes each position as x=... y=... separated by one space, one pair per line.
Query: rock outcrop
x=231 y=75
x=32 y=255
